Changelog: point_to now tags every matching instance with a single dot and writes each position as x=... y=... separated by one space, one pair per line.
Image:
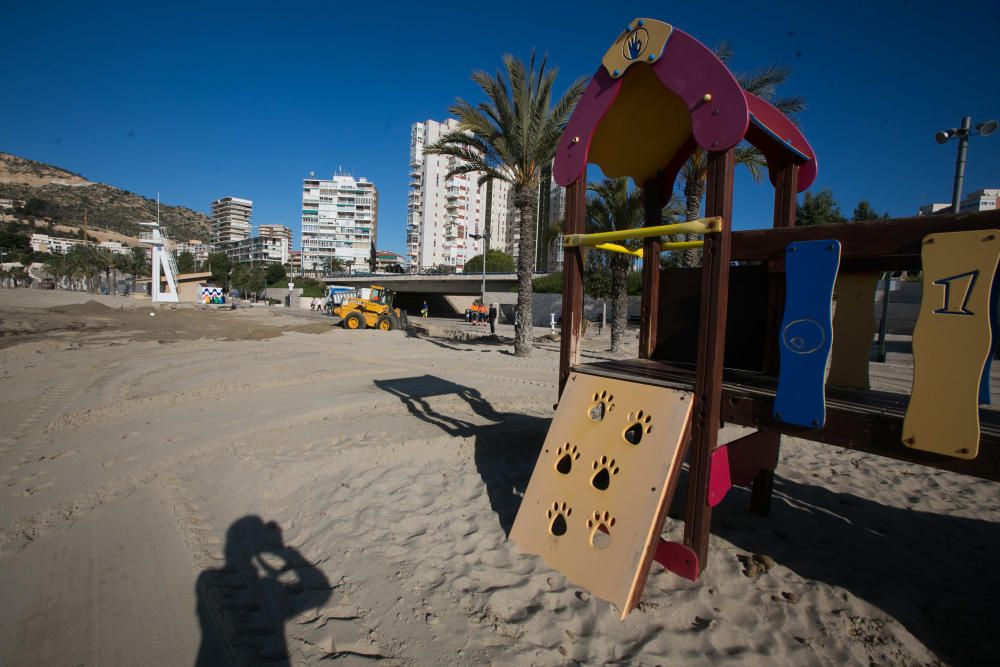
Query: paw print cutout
x=557 y=516
x=640 y=424
x=604 y=469
x=604 y=403
x=600 y=526
x=565 y=456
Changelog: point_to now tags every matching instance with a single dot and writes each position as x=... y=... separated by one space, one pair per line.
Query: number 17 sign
x=953 y=342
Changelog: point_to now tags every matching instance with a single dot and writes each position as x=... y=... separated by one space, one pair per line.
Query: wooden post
x=711 y=347
x=784 y=216
x=572 y=302
x=784 y=194
x=650 y=308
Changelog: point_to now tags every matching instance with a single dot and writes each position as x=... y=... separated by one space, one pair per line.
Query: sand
x=220 y=486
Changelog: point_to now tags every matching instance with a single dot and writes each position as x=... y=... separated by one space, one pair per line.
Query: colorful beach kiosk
x=745 y=339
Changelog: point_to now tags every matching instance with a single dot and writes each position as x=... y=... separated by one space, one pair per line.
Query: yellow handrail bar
x=614 y=247
x=701 y=226
x=673 y=245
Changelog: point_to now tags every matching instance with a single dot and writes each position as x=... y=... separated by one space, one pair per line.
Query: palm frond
x=764 y=82
x=751 y=158
x=790 y=106
x=723 y=51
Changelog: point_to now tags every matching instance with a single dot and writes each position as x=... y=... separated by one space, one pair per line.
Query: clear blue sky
x=199 y=101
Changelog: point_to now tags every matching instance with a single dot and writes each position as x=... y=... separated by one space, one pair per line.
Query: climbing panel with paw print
x=600 y=490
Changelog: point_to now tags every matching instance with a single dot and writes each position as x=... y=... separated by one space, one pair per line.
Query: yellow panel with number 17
x=951 y=342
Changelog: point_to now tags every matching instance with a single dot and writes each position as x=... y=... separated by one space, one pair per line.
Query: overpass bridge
x=424 y=284
x=446 y=294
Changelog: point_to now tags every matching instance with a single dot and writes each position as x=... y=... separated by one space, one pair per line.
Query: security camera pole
x=963 y=148
x=963 y=133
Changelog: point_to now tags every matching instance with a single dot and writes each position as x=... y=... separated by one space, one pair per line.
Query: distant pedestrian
x=493 y=319
x=423 y=310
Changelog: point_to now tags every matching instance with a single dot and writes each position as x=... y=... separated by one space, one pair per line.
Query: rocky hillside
x=63 y=196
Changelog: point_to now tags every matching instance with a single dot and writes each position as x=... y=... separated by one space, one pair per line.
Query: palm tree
x=613 y=207
x=78 y=268
x=122 y=263
x=103 y=260
x=334 y=264
x=764 y=84
x=56 y=267
x=511 y=137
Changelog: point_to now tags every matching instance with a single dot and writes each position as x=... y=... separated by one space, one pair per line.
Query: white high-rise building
x=443 y=211
x=231 y=219
x=339 y=219
x=557 y=212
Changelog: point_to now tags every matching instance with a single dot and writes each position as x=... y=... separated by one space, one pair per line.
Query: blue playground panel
x=984 y=380
x=806 y=332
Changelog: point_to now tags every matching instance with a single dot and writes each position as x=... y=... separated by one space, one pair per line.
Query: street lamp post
x=479 y=237
x=962 y=134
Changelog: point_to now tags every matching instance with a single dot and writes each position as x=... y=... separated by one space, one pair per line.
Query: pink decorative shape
x=719 y=481
x=770 y=131
x=691 y=71
x=677 y=558
x=571 y=154
x=688 y=69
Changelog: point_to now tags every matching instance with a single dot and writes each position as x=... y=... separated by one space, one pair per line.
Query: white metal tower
x=163 y=260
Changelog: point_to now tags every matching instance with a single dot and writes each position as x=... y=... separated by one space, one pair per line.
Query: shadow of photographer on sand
x=243 y=606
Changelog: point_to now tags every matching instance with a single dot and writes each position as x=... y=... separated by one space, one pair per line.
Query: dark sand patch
x=165 y=324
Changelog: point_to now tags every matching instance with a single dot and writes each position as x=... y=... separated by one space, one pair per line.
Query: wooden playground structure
x=748 y=338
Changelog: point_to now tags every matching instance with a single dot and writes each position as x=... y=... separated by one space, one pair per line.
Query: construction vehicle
x=374 y=310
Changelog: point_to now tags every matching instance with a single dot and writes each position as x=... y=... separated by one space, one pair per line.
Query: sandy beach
x=241 y=487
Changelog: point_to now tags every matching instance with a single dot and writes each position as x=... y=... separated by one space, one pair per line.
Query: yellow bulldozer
x=376 y=311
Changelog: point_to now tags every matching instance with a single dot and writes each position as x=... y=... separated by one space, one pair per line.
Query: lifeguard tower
x=163 y=263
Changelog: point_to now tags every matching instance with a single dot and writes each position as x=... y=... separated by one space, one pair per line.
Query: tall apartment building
x=275 y=232
x=443 y=211
x=257 y=251
x=231 y=219
x=557 y=212
x=198 y=250
x=339 y=219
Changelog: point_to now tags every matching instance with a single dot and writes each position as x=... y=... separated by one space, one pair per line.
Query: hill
x=63 y=196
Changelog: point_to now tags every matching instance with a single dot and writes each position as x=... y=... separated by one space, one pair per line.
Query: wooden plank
x=595 y=503
x=785 y=182
x=853 y=328
x=806 y=332
x=712 y=330
x=572 y=302
x=952 y=342
x=871 y=240
x=870 y=422
x=650 y=299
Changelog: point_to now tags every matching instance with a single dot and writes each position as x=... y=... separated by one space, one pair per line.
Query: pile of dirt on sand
x=89 y=308
x=96 y=321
